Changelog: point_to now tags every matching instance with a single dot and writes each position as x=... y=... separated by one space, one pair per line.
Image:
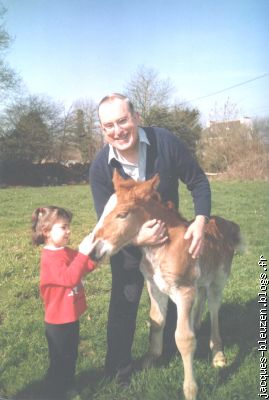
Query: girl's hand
x=86 y=246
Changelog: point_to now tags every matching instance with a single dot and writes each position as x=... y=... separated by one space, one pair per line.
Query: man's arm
x=101 y=184
x=197 y=183
x=190 y=173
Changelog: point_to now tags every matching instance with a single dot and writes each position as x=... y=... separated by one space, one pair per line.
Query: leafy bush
x=47 y=174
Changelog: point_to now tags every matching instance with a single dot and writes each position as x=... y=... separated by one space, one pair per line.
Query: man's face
x=119 y=125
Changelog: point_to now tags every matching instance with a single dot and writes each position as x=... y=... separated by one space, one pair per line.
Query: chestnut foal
x=169 y=270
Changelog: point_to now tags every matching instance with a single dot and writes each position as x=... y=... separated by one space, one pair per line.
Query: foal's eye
x=123 y=215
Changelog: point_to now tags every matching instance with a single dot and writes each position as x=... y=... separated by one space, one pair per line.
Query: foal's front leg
x=158 y=310
x=185 y=337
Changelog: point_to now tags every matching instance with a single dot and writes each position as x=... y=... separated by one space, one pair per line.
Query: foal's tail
x=234 y=237
x=231 y=233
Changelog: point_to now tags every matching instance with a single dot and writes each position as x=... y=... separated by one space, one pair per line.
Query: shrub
x=47 y=174
x=238 y=153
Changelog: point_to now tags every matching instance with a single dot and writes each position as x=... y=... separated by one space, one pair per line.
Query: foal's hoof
x=149 y=361
x=219 y=360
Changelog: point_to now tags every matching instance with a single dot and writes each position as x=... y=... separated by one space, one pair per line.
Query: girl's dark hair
x=44 y=218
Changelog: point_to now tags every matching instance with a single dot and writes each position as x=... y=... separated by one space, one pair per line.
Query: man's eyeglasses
x=121 y=123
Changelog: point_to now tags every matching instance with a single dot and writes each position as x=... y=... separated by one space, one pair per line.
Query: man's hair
x=112 y=96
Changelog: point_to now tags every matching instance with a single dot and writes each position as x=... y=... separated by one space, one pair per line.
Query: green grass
x=23 y=350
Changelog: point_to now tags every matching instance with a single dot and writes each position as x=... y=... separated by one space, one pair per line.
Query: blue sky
x=72 y=49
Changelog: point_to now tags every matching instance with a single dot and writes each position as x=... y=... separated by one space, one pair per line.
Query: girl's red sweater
x=60 y=284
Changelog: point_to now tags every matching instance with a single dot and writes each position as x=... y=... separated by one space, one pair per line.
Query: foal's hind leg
x=214 y=302
x=199 y=306
x=158 y=309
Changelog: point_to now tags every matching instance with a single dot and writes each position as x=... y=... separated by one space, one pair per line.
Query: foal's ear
x=121 y=183
x=155 y=181
x=147 y=189
x=152 y=185
x=117 y=179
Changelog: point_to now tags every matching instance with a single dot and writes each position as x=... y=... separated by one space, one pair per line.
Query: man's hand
x=196 y=232
x=152 y=232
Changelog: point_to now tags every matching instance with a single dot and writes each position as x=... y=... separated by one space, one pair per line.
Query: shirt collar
x=142 y=139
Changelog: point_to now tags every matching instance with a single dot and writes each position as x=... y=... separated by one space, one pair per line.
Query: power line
x=263 y=108
x=228 y=88
x=260 y=111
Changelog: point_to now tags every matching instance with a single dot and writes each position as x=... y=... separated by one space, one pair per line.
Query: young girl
x=62 y=292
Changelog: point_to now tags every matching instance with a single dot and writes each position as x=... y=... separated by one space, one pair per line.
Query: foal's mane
x=165 y=211
x=145 y=195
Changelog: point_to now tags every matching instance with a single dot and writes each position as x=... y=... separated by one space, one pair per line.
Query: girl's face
x=59 y=234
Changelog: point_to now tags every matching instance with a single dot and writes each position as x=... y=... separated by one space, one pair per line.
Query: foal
x=170 y=271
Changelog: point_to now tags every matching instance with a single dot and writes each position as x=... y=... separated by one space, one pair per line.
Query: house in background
x=230 y=124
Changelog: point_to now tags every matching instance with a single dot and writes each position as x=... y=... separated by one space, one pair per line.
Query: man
x=139 y=154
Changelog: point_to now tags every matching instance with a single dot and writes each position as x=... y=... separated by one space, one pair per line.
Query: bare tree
x=146 y=90
x=84 y=135
x=61 y=141
x=226 y=112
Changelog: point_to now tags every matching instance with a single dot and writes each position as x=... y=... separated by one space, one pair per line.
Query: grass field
x=23 y=351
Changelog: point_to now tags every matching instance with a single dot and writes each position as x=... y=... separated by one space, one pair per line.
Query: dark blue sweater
x=169 y=157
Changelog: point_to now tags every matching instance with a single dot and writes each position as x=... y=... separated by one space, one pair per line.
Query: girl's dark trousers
x=63 y=342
